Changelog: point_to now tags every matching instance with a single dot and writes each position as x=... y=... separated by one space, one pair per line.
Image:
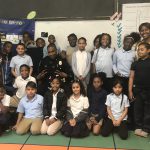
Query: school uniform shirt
x=54 y=110
x=18 y=60
x=102 y=59
x=122 y=61
x=5 y=101
x=114 y=102
x=142 y=73
x=31 y=108
x=77 y=105
x=20 y=84
x=81 y=62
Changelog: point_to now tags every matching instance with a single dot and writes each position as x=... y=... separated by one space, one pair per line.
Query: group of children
x=76 y=91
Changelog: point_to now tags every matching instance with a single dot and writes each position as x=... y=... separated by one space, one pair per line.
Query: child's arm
x=110 y=113
x=131 y=79
x=31 y=70
x=13 y=72
x=124 y=114
x=20 y=116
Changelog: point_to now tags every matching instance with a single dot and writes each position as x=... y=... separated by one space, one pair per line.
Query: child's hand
x=72 y=122
x=131 y=96
x=118 y=122
x=114 y=122
x=15 y=127
x=52 y=121
x=92 y=119
x=118 y=74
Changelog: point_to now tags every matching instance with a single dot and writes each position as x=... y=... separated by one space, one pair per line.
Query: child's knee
x=20 y=132
x=35 y=131
x=96 y=133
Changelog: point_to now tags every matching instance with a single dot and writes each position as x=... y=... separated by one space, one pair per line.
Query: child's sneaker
x=138 y=132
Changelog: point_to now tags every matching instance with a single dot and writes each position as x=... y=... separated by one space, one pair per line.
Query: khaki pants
x=52 y=129
x=34 y=125
x=14 y=101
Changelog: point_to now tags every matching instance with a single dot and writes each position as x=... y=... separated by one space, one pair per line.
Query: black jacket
x=61 y=104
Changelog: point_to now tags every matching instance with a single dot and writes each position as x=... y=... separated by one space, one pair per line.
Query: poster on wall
x=12 y=30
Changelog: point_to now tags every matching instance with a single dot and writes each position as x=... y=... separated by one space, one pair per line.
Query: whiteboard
x=87 y=29
x=134 y=15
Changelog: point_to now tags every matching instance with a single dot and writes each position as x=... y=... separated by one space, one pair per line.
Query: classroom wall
x=87 y=29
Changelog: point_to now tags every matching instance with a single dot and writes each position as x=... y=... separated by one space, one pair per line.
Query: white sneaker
x=138 y=132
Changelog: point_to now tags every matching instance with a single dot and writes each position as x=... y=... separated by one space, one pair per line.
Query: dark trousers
x=4 y=121
x=142 y=109
x=108 y=128
x=79 y=130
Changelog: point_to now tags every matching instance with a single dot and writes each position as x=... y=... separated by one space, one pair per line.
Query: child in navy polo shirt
x=97 y=97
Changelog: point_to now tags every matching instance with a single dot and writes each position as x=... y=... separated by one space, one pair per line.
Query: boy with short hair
x=30 y=111
x=20 y=84
x=6 y=56
x=19 y=59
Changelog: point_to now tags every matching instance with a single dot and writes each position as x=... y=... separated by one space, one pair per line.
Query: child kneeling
x=54 y=108
x=30 y=110
x=117 y=108
x=77 y=112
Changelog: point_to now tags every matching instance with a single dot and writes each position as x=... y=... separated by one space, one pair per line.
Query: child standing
x=139 y=89
x=20 y=84
x=6 y=56
x=96 y=44
x=30 y=111
x=117 y=109
x=97 y=97
x=19 y=59
x=72 y=39
x=4 y=114
x=54 y=108
x=122 y=60
x=77 y=112
x=81 y=62
x=102 y=60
